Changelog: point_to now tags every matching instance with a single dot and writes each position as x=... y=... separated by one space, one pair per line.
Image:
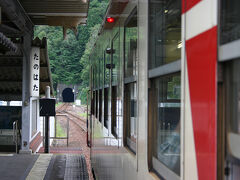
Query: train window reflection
x=166 y=124
x=96 y=103
x=106 y=71
x=165 y=32
x=131 y=115
x=105 y=104
x=115 y=84
x=130 y=46
x=100 y=105
x=233 y=95
x=230 y=21
x=116 y=61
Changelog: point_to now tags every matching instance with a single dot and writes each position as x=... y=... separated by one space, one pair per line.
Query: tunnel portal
x=68 y=95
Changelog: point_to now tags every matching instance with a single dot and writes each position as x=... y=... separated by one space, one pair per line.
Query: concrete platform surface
x=43 y=166
x=16 y=166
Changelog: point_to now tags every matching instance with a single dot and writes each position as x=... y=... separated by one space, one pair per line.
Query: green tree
x=66 y=56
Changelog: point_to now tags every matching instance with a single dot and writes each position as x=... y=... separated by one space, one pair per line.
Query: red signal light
x=110 y=19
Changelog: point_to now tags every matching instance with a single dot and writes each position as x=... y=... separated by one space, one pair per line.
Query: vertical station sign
x=34 y=71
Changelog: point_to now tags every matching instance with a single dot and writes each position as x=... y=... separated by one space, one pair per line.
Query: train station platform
x=43 y=166
x=25 y=66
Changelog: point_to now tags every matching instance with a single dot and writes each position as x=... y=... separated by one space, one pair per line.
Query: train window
x=116 y=89
x=114 y=110
x=100 y=105
x=107 y=71
x=93 y=76
x=93 y=103
x=130 y=45
x=165 y=32
x=230 y=21
x=131 y=115
x=96 y=104
x=165 y=127
x=116 y=61
x=233 y=106
x=105 y=107
x=130 y=81
x=234 y=95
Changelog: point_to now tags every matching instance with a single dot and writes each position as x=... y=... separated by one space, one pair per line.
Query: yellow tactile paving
x=40 y=167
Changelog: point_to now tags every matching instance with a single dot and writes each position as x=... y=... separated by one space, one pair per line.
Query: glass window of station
x=130 y=81
x=165 y=87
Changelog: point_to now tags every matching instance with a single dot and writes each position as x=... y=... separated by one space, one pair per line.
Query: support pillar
x=26 y=100
x=47 y=140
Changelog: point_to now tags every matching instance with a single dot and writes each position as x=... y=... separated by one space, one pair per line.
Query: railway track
x=63 y=109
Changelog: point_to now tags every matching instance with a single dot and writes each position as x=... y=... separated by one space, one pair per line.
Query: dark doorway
x=68 y=95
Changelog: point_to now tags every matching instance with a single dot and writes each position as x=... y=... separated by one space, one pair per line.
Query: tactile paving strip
x=40 y=167
x=76 y=168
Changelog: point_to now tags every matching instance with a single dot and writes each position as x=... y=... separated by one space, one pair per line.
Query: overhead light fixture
x=110 y=19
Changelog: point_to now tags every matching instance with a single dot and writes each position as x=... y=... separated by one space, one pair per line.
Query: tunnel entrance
x=68 y=95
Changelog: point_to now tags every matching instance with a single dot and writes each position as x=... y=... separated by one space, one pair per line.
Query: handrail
x=15 y=134
x=55 y=128
x=14 y=125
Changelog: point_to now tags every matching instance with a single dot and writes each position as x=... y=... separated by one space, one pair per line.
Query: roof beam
x=20 y=81
x=10 y=57
x=9 y=31
x=59 y=14
x=17 y=15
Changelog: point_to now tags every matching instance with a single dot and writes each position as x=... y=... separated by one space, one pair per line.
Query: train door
x=232 y=119
x=229 y=58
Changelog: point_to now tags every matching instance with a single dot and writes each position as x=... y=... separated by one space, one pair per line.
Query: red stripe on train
x=188 y=4
x=202 y=63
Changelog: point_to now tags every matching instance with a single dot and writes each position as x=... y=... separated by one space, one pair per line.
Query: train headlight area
x=164 y=90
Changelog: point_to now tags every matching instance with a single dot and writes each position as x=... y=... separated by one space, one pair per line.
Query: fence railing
x=61 y=128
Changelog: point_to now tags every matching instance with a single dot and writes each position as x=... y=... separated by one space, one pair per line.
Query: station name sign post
x=47 y=109
x=34 y=73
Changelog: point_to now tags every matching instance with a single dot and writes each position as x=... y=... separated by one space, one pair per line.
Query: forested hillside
x=69 y=57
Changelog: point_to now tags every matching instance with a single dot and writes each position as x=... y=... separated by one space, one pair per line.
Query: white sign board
x=34 y=71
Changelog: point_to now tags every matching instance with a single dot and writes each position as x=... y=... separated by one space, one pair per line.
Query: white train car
x=165 y=91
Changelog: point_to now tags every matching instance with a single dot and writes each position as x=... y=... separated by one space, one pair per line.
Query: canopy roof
x=17 y=20
x=11 y=72
x=66 y=13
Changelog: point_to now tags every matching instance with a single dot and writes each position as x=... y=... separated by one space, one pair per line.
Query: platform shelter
x=24 y=65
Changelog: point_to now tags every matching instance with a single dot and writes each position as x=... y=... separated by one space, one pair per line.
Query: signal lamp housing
x=110 y=19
